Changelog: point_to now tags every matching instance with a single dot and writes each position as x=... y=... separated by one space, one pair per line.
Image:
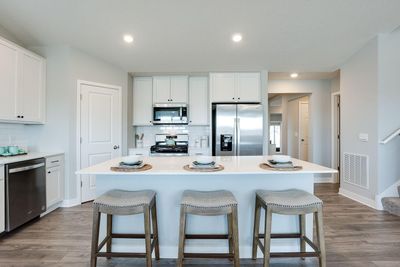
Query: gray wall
x=389 y=109
x=370 y=96
x=65 y=66
x=359 y=109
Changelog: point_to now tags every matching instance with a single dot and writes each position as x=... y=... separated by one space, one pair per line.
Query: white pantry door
x=303 y=130
x=100 y=117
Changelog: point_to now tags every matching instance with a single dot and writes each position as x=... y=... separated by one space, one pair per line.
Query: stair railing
x=390 y=137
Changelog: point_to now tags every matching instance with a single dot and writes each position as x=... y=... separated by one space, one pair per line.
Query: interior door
x=303 y=130
x=224 y=120
x=100 y=131
x=249 y=130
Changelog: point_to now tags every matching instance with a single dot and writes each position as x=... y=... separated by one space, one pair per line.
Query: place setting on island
x=132 y=163
x=203 y=164
x=280 y=163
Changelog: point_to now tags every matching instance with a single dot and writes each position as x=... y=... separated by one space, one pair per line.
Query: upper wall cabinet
x=170 y=89
x=198 y=101
x=142 y=101
x=22 y=85
x=235 y=87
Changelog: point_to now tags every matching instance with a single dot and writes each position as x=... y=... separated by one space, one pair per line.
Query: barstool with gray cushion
x=209 y=203
x=288 y=202
x=121 y=202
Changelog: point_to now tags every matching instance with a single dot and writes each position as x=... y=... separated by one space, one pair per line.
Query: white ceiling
x=195 y=35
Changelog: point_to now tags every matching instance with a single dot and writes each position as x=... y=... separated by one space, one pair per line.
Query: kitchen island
x=241 y=175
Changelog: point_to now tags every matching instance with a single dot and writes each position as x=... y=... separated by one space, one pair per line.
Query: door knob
x=302 y=140
x=116 y=147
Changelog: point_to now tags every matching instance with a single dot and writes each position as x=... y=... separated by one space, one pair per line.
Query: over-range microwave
x=170 y=114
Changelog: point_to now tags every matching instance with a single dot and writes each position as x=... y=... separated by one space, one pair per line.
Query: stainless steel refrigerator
x=237 y=129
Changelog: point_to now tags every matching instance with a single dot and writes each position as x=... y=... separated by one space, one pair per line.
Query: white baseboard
x=67 y=203
x=391 y=191
x=330 y=180
x=361 y=199
x=51 y=209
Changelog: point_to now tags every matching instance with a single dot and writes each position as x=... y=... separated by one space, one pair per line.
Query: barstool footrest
x=206 y=236
x=129 y=235
x=293 y=254
x=283 y=235
x=209 y=255
x=121 y=254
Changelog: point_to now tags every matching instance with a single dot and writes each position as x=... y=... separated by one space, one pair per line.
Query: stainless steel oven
x=170 y=114
x=25 y=191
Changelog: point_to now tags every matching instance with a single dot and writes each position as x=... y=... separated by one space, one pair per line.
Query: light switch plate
x=363 y=137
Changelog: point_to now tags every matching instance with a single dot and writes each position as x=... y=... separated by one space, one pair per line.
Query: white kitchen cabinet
x=54 y=180
x=8 y=81
x=179 y=89
x=161 y=89
x=235 y=87
x=2 y=199
x=248 y=87
x=170 y=89
x=22 y=83
x=31 y=87
x=198 y=101
x=222 y=87
x=142 y=101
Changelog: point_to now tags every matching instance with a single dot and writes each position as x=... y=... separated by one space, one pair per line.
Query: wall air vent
x=355 y=169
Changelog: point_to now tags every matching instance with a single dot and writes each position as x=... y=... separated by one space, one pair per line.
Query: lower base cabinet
x=54 y=180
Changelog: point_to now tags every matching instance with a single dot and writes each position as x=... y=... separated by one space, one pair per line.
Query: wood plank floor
x=355 y=236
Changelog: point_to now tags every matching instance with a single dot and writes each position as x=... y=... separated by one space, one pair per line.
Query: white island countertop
x=232 y=165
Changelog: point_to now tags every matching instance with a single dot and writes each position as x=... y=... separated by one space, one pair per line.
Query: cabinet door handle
x=238 y=98
x=22 y=116
x=233 y=98
x=116 y=147
x=18 y=116
x=49 y=172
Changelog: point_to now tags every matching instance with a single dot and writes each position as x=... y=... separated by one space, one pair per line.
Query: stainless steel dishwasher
x=25 y=192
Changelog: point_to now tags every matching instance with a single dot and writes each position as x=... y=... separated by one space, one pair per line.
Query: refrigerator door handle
x=234 y=136
x=238 y=136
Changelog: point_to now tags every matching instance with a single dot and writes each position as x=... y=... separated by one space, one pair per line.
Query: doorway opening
x=335 y=111
x=289 y=125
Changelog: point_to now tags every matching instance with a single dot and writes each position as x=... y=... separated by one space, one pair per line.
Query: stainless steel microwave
x=170 y=114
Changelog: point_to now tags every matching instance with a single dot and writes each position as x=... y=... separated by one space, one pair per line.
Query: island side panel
x=169 y=189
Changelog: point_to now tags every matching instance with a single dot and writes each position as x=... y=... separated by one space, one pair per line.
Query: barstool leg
x=155 y=230
x=230 y=233
x=302 y=226
x=95 y=236
x=147 y=234
x=321 y=236
x=109 y=233
x=256 y=229
x=182 y=233
x=235 y=237
x=267 y=238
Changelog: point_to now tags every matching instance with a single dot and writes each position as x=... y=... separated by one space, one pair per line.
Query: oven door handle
x=27 y=168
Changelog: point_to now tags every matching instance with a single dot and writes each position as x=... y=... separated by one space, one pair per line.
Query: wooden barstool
x=288 y=202
x=209 y=203
x=120 y=202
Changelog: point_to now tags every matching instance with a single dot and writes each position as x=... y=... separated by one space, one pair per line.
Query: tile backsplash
x=149 y=132
x=13 y=134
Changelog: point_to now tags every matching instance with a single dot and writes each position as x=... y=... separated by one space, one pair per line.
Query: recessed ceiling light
x=237 y=37
x=128 y=38
x=294 y=75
